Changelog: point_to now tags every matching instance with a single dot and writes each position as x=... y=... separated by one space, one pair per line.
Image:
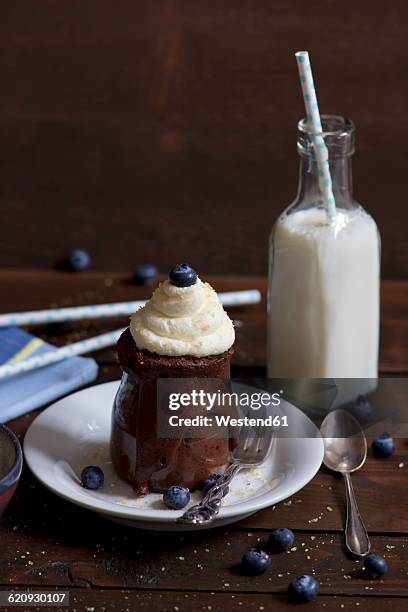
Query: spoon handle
x=357 y=540
x=208 y=508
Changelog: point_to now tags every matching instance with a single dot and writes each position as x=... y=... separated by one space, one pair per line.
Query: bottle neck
x=341 y=174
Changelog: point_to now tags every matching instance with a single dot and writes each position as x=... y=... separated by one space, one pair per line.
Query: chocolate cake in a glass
x=182 y=332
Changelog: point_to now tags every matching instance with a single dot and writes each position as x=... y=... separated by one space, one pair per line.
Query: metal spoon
x=345 y=451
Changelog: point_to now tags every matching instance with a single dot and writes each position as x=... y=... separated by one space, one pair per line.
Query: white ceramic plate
x=74 y=432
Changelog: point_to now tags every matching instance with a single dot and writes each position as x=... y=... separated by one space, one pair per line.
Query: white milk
x=323 y=305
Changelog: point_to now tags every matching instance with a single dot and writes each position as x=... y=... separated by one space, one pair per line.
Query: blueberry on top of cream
x=182 y=275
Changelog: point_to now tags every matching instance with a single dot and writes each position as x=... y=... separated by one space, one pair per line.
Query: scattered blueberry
x=92 y=477
x=183 y=276
x=210 y=482
x=375 y=566
x=256 y=561
x=362 y=409
x=281 y=539
x=176 y=498
x=79 y=260
x=145 y=274
x=303 y=589
x=383 y=446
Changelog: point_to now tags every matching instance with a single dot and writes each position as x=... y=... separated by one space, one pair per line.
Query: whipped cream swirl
x=183 y=321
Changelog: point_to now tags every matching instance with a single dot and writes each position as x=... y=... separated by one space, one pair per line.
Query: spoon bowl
x=345 y=445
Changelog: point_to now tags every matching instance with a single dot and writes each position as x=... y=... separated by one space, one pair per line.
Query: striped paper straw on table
x=118 y=309
x=313 y=118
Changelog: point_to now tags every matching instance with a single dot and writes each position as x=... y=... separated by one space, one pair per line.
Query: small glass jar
x=139 y=453
x=324 y=277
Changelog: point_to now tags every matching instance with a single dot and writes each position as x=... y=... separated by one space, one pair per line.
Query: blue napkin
x=30 y=390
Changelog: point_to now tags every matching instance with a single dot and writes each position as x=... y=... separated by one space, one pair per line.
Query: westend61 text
x=228 y=421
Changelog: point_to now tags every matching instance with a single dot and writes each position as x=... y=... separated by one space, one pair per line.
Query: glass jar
x=140 y=453
x=324 y=277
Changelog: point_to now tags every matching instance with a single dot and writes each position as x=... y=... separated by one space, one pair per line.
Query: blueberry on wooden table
x=92 y=477
x=375 y=566
x=145 y=274
x=78 y=260
x=255 y=561
x=362 y=409
x=281 y=540
x=303 y=589
x=383 y=446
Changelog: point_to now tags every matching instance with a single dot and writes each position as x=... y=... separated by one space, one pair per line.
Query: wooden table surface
x=46 y=542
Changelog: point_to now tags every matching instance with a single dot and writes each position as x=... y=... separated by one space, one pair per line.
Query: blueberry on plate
x=79 y=260
x=383 y=446
x=375 y=566
x=92 y=477
x=256 y=561
x=210 y=482
x=183 y=276
x=145 y=274
x=281 y=539
x=303 y=589
x=176 y=498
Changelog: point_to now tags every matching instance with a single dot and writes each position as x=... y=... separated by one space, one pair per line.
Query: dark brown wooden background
x=165 y=130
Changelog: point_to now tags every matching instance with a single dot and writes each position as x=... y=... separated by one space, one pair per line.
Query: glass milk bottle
x=324 y=277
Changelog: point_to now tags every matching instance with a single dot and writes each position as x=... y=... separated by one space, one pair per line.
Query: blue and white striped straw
x=96 y=311
x=313 y=117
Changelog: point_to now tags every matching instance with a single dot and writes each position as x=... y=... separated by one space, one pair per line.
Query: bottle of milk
x=324 y=276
